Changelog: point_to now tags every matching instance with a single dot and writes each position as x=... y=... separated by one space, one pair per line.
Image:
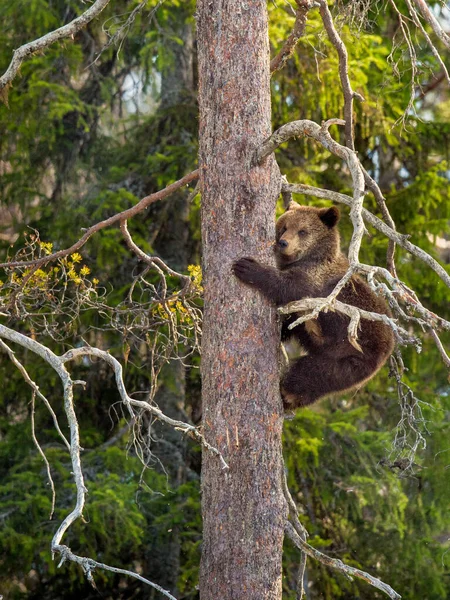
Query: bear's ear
x=329 y=216
x=292 y=205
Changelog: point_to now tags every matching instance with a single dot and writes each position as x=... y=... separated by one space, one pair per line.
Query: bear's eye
x=302 y=232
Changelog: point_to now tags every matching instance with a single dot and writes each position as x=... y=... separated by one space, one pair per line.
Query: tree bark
x=243 y=507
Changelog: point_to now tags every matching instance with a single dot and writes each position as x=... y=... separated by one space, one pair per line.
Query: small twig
x=412 y=57
x=35 y=389
x=41 y=452
x=432 y=47
x=373 y=186
x=123 y=29
x=440 y=347
x=150 y=260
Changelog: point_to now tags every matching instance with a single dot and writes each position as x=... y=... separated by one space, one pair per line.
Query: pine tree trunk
x=243 y=507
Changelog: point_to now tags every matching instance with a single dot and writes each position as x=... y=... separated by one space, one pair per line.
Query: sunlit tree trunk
x=243 y=508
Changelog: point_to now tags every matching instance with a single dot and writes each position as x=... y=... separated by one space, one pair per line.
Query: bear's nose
x=282 y=243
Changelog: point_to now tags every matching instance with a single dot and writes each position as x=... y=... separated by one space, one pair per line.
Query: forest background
x=93 y=125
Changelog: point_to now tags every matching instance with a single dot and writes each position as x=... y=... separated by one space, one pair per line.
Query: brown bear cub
x=310 y=264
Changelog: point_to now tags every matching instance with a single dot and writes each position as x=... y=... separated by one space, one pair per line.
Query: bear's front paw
x=245 y=269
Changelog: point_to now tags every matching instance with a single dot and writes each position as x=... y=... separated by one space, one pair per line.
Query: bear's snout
x=282 y=244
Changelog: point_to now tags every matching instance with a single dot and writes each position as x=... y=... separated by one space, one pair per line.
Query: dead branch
x=42 y=453
x=404 y=27
x=432 y=47
x=440 y=347
x=43 y=42
x=433 y=22
x=35 y=389
x=89 y=565
x=341 y=50
x=299 y=529
x=412 y=426
x=186 y=428
x=278 y=62
x=317 y=305
x=124 y=215
x=373 y=186
x=123 y=30
x=58 y=364
x=336 y=563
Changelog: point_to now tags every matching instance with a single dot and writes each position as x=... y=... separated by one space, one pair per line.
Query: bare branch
x=89 y=565
x=349 y=94
x=124 y=215
x=432 y=47
x=301 y=532
x=186 y=428
x=58 y=364
x=123 y=30
x=440 y=347
x=404 y=27
x=317 y=305
x=336 y=563
x=35 y=389
x=373 y=186
x=411 y=429
x=433 y=22
x=278 y=62
x=43 y=42
x=41 y=452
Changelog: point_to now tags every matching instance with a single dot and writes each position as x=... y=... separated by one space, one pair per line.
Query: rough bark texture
x=243 y=508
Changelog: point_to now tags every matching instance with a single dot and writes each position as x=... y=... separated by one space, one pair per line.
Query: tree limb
x=433 y=22
x=58 y=364
x=278 y=61
x=317 y=305
x=124 y=215
x=150 y=260
x=336 y=563
x=432 y=47
x=27 y=50
x=89 y=565
x=341 y=50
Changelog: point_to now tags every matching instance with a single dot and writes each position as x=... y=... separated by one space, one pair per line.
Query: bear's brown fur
x=310 y=264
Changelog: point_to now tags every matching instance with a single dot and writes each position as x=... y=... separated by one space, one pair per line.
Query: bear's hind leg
x=317 y=375
x=302 y=384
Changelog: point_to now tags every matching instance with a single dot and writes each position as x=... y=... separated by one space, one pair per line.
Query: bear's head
x=306 y=232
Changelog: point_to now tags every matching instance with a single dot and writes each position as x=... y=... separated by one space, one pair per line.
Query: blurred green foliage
x=80 y=141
